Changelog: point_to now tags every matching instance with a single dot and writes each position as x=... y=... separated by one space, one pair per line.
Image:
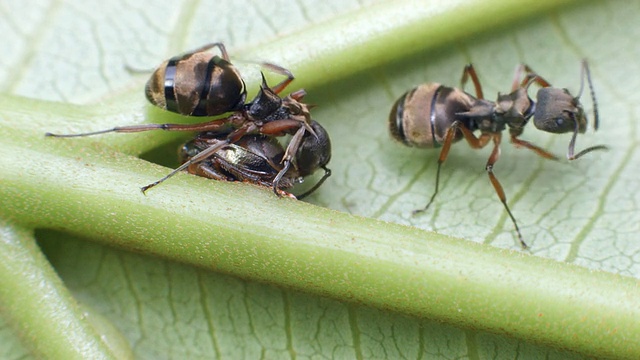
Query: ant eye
x=559 y=121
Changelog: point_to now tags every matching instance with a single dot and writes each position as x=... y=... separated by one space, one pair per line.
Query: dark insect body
x=433 y=115
x=199 y=83
x=258 y=159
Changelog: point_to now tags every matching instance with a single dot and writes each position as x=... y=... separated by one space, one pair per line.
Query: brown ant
x=257 y=159
x=201 y=84
x=433 y=115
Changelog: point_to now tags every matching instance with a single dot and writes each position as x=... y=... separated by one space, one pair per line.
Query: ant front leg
x=529 y=77
x=450 y=135
x=289 y=157
x=467 y=72
x=495 y=155
x=538 y=150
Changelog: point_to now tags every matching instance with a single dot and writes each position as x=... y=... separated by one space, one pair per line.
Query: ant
x=198 y=83
x=433 y=115
x=257 y=159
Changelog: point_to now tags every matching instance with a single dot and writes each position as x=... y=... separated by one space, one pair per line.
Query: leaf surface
x=68 y=69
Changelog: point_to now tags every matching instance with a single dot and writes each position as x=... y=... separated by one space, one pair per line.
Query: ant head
x=314 y=151
x=557 y=111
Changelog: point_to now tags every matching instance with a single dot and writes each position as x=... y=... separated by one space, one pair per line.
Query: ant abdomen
x=197 y=83
x=421 y=117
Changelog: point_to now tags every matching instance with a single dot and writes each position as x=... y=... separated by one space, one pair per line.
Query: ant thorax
x=514 y=108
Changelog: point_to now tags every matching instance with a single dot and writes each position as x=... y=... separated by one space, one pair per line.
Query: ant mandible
x=432 y=115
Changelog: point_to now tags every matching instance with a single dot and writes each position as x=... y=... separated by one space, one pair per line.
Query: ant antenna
x=327 y=173
x=586 y=73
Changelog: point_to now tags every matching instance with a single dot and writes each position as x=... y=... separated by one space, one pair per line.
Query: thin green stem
x=38 y=305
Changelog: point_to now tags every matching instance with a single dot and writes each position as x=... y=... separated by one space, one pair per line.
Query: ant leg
x=206 y=153
x=449 y=136
x=289 y=157
x=530 y=77
x=281 y=71
x=219 y=45
x=538 y=150
x=469 y=71
x=206 y=171
x=515 y=84
x=446 y=145
x=285 y=126
x=174 y=60
x=278 y=178
x=272 y=67
x=197 y=158
x=495 y=154
x=298 y=95
x=267 y=65
x=217 y=125
x=140 y=128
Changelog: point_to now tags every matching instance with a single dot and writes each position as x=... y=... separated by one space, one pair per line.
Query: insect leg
x=289 y=157
x=449 y=136
x=529 y=77
x=282 y=71
x=495 y=155
x=469 y=71
x=538 y=150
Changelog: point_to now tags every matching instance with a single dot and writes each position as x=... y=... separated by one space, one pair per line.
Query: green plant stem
x=38 y=305
x=82 y=188
x=377 y=35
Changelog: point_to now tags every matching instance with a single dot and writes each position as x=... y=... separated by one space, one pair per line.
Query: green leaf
x=346 y=284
